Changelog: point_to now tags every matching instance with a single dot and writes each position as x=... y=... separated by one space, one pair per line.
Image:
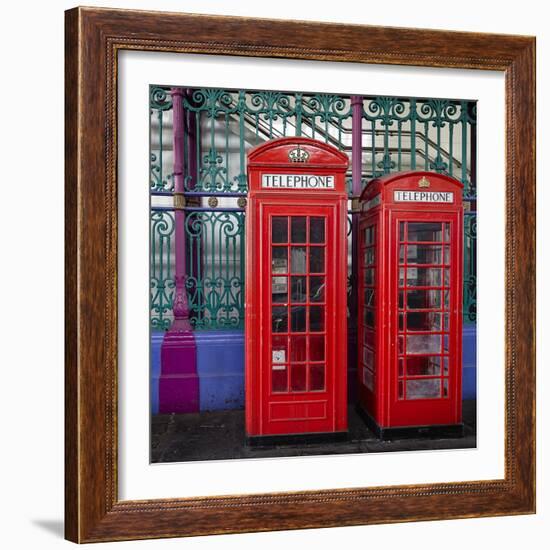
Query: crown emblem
x=298 y=155
x=423 y=182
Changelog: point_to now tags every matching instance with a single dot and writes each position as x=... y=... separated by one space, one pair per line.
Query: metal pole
x=356 y=144
x=181 y=306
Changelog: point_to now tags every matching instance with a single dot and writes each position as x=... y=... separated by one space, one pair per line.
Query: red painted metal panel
x=410 y=314
x=296 y=311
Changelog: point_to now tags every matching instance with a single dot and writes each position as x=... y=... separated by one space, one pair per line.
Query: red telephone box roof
x=411 y=176
x=276 y=153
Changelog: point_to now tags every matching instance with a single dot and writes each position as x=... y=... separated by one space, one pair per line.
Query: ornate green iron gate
x=221 y=125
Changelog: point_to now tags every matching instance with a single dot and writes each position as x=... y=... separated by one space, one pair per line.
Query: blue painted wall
x=220 y=366
x=156 y=343
x=469 y=354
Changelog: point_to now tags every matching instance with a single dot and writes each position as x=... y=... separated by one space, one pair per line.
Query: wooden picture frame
x=93 y=39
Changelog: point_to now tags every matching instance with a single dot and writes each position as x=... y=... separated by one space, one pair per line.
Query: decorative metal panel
x=222 y=125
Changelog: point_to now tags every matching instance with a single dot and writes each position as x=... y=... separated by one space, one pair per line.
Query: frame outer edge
x=87 y=496
x=72 y=449
x=522 y=74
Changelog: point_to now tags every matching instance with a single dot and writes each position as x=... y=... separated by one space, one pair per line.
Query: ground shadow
x=54 y=526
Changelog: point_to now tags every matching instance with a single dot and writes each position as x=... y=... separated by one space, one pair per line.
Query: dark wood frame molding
x=93 y=39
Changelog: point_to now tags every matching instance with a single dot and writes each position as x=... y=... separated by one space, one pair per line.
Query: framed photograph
x=300 y=275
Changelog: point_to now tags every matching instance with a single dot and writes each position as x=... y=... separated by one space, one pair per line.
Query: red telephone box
x=410 y=304
x=296 y=276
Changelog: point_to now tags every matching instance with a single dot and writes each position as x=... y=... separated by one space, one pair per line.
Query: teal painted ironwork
x=398 y=134
x=160 y=104
x=215 y=259
x=162 y=270
x=230 y=123
x=435 y=130
x=427 y=126
x=470 y=269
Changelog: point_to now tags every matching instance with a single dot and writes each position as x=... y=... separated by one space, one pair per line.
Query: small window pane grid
x=368 y=254
x=423 y=310
x=298 y=304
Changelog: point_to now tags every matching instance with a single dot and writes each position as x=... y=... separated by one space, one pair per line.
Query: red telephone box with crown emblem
x=296 y=277
x=410 y=304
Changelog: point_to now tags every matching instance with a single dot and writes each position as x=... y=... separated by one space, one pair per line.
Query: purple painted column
x=356 y=173
x=179 y=383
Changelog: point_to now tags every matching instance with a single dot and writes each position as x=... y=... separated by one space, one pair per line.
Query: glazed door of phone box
x=425 y=273
x=299 y=353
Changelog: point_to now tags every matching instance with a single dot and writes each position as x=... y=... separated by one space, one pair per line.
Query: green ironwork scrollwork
x=326 y=115
x=398 y=134
x=157 y=182
x=470 y=268
x=215 y=260
x=212 y=102
x=162 y=279
x=253 y=117
x=270 y=107
x=385 y=116
x=438 y=114
x=160 y=103
x=159 y=98
x=213 y=174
